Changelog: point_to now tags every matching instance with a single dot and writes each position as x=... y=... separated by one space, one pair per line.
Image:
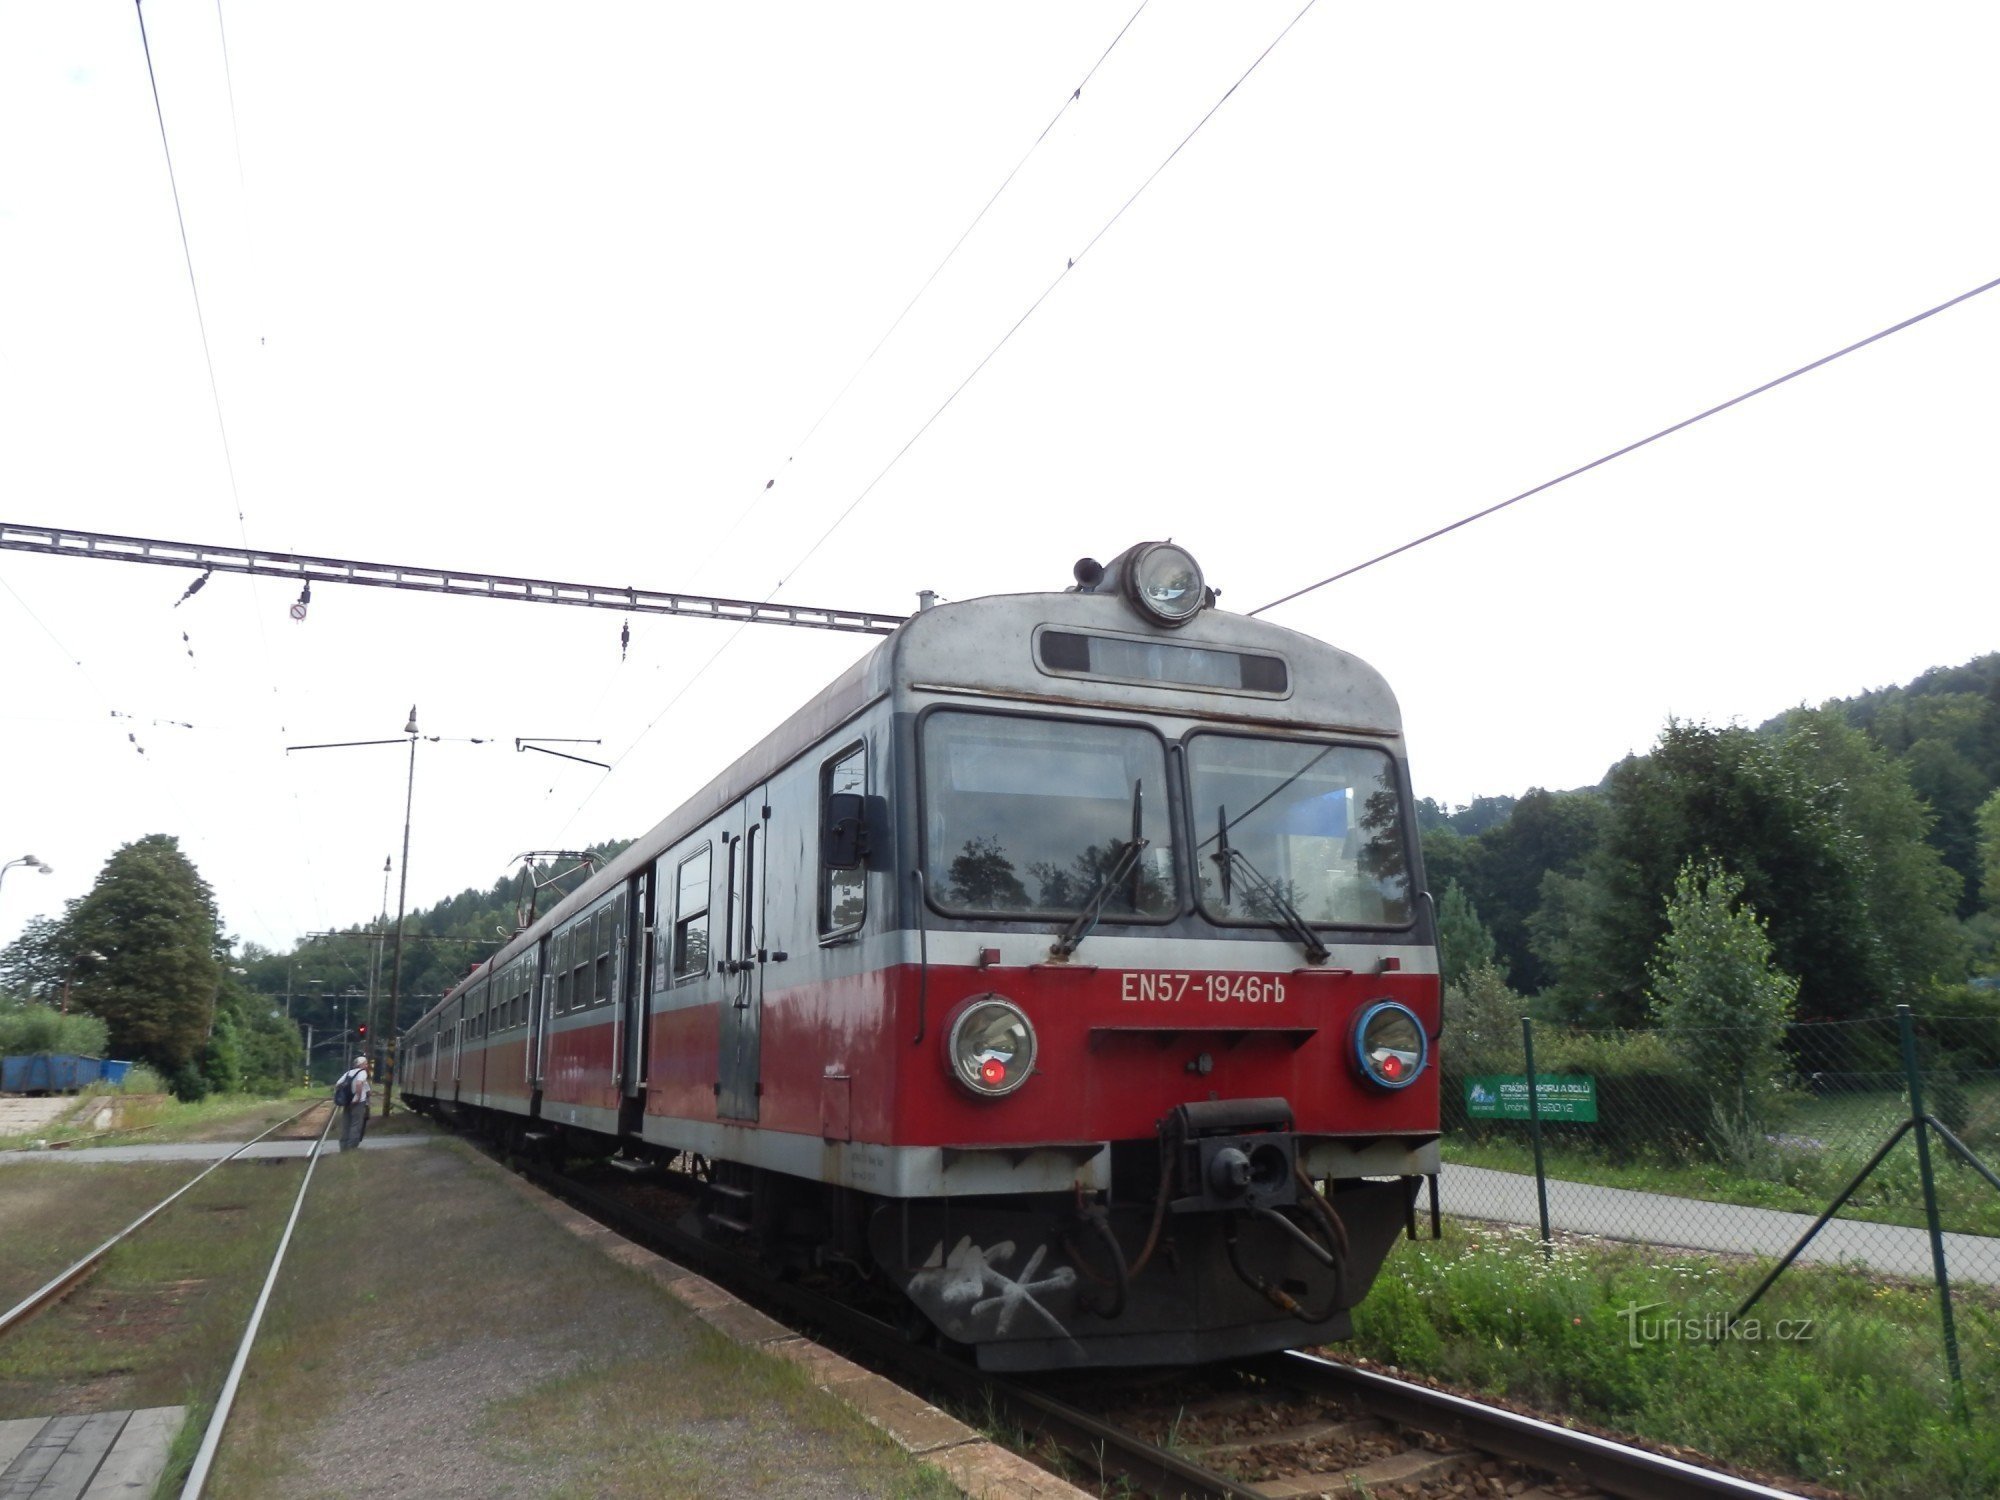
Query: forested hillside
x=327 y=978
x=1865 y=832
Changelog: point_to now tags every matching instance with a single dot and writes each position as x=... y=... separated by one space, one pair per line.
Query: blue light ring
x=1360 y=1055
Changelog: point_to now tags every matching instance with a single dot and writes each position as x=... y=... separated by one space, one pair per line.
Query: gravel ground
x=446 y=1340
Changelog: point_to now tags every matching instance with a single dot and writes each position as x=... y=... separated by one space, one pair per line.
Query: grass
x=150 y=1118
x=161 y=1119
x=432 y=1321
x=157 y=1323
x=56 y=1211
x=1859 y=1402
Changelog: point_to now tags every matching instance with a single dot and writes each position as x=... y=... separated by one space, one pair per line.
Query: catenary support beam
x=304 y=568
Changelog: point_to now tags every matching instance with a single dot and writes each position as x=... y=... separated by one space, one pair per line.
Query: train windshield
x=1027 y=816
x=1285 y=824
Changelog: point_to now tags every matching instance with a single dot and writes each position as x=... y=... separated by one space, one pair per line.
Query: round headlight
x=992 y=1047
x=1390 y=1047
x=1166 y=583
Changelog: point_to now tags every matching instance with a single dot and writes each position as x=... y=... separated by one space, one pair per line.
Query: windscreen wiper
x=1228 y=858
x=1127 y=863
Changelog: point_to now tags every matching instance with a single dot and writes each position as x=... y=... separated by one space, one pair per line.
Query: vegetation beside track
x=431 y=1326
x=1861 y=1404
x=54 y=1217
x=157 y=1323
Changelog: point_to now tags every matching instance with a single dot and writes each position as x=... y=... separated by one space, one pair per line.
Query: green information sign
x=1504 y=1096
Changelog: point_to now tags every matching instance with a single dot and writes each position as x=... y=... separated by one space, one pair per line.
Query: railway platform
x=440 y=1329
x=107 y=1455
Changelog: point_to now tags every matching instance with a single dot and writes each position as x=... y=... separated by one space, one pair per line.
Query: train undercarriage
x=1215 y=1244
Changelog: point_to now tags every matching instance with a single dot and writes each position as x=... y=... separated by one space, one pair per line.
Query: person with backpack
x=350 y=1095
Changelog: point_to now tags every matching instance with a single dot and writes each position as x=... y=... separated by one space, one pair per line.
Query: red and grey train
x=1063 y=967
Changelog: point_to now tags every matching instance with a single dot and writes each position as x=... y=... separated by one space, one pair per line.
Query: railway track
x=66 y=1280
x=1285 y=1427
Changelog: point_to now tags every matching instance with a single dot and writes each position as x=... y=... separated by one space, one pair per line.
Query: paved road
x=207 y=1150
x=1694 y=1224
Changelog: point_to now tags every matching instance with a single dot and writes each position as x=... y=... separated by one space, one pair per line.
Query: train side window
x=843 y=894
x=601 y=991
x=690 y=942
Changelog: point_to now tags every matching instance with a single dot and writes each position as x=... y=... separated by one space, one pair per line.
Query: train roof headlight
x=1166 y=583
x=1390 y=1047
x=991 y=1047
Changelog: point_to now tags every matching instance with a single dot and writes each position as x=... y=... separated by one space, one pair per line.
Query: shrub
x=141 y=1079
x=28 y=1027
x=1713 y=986
x=1651 y=1100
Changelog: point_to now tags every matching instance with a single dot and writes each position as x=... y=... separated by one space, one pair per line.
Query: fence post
x=1535 y=1129
x=1922 y=1128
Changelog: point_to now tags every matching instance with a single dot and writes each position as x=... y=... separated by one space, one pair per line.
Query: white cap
x=360 y=1062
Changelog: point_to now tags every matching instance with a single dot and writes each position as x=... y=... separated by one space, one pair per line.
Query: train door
x=636 y=985
x=743 y=964
x=541 y=995
x=457 y=1044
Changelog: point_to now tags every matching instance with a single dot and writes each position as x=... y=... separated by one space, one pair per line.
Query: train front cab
x=1167 y=972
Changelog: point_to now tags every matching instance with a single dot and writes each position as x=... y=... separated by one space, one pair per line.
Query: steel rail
x=300 y=567
x=1581 y=1457
x=211 y=1440
x=63 y=1281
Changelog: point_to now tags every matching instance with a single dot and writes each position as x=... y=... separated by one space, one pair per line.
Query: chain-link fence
x=1800 y=1144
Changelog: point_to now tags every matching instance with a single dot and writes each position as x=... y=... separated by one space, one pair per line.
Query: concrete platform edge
x=979 y=1468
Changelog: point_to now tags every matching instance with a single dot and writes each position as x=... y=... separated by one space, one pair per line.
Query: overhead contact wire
x=1616 y=453
x=936 y=271
x=187 y=257
x=1073 y=262
x=208 y=356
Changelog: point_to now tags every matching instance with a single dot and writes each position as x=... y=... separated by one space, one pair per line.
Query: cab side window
x=843 y=894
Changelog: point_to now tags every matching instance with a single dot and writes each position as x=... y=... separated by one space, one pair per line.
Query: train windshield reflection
x=1322 y=824
x=1029 y=816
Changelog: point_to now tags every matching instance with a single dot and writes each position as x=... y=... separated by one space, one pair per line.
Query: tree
x=1711 y=985
x=1910 y=891
x=33 y=965
x=1464 y=943
x=1989 y=852
x=1728 y=794
x=1482 y=1022
x=1549 y=832
x=152 y=916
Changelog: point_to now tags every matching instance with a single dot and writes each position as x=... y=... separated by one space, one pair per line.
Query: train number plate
x=1214 y=989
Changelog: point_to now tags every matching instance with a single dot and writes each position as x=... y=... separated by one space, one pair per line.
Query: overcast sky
x=555 y=289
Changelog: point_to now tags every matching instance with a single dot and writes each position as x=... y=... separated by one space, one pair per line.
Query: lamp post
x=402 y=895
x=403 y=886
x=30 y=861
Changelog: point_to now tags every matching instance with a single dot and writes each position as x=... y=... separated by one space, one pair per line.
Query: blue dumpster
x=48 y=1073
x=69 y=1072
x=114 y=1073
x=24 y=1075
